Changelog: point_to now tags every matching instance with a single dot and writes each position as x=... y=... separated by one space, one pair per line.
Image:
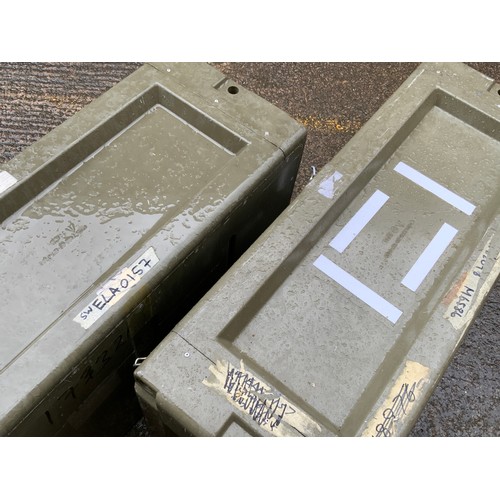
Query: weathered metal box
x=342 y=317
x=118 y=216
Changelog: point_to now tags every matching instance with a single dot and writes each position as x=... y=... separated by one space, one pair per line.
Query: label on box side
x=464 y=294
x=116 y=288
x=6 y=180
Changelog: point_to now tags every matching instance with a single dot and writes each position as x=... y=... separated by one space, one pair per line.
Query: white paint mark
x=6 y=181
x=429 y=257
x=116 y=288
x=327 y=186
x=358 y=221
x=413 y=81
x=364 y=293
x=435 y=188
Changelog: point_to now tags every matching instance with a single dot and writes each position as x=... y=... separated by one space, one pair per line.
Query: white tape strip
x=6 y=180
x=351 y=284
x=435 y=188
x=358 y=221
x=429 y=257
x=116 y=288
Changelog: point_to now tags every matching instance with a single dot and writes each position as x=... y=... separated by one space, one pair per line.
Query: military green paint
x=163 y=167
x=348 y=292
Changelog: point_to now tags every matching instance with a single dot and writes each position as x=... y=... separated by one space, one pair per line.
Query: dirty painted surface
x=144 y=194
x=467 y=400
x=342 y=291
x=332 y=101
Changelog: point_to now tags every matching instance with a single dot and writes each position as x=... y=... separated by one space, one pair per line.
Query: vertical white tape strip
x=435 y=188
x=6 y=180
x=429 y=257
x=364 y=293
x=358 y=221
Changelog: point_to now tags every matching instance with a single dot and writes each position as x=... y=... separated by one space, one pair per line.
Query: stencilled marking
x=250 y=395
x=435 y=188
x=358 y=221
x=327 y=187
x=116 y=288
x=62 y=239
x=428 y=258
x=466 y=292
x=396 y=408
x=6 y=180
x=361 y=291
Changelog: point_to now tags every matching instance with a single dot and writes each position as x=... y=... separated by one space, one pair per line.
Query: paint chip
x=327 y=187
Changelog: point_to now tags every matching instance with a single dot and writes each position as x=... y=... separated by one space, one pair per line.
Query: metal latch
x=138 y=362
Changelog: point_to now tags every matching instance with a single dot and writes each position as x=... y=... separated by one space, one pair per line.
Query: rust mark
x=455 y=289
x=330 y=124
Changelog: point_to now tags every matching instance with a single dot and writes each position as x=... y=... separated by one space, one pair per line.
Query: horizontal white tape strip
x=364 y=293
x=429 y=257
x=358 y=221
x=435 y=188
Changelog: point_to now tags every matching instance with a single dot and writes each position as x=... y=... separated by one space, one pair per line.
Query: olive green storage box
x=343 y=316
x=117 y=217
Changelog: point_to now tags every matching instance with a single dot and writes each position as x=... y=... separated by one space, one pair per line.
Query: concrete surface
x=333 y=100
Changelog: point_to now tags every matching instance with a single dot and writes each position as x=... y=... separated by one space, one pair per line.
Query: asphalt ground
x=333 y=100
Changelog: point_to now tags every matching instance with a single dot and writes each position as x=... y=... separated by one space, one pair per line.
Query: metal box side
x=458 y=93
x=261 y=183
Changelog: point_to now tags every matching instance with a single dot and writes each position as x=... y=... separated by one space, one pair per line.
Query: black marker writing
x=254 y=398
x=114 y=289
x=459 y=307
x=398 y=409
x=479 y=268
